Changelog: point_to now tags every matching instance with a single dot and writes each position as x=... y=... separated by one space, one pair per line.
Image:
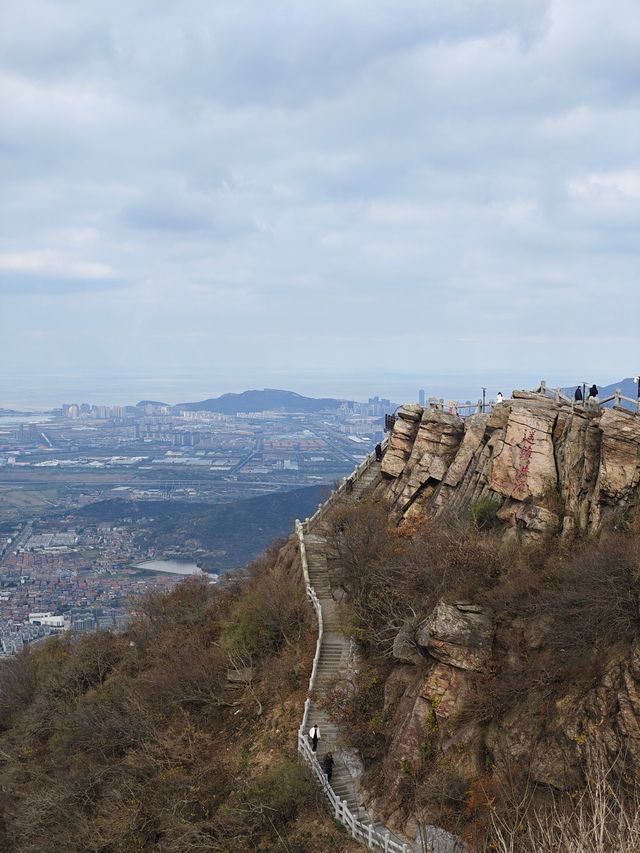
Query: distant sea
x=41 y=391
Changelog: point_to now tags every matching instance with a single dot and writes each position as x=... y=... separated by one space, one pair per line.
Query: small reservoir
x=174 y=567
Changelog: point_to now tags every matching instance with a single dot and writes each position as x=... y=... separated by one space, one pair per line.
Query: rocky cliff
x=550 y=467
x=530 y=666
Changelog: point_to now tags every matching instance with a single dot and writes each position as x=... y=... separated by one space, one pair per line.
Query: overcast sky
x=223 y=186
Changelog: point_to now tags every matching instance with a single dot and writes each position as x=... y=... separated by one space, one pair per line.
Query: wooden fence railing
x=365 y=833
x=324 y=507
x=617 y=397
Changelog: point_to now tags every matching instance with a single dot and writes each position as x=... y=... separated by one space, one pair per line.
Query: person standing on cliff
x=378 y=452
x=578 y=395
x=593 y=393
x=314 y=734
x=499 y=398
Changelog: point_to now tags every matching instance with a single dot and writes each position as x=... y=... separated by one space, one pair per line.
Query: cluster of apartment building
x=79 y=580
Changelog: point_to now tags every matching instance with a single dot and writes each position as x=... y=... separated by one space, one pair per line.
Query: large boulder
x=620 y=453
x=474 y=433
x=523 y=463
x=402 y=440
x=460 y=635
x=405 y=647
x=433 y=839
x=535 y=518
x=434 y=448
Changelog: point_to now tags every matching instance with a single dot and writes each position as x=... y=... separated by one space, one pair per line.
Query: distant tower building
x=421 y=396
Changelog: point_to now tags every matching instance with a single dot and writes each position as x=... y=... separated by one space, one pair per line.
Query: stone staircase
x=333 y=661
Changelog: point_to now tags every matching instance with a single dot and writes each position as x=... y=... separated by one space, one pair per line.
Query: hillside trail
x=334 y=661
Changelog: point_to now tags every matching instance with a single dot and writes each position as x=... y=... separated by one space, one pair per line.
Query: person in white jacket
x=314 y=734
x=499 y=398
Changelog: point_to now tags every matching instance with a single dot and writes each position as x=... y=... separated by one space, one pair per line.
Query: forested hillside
x=178 y=735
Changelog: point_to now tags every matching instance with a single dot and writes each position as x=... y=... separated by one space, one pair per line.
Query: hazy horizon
x=40 y=391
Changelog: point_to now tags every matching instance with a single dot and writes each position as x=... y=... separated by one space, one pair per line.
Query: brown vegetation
x=177 y=735
x=563 y=612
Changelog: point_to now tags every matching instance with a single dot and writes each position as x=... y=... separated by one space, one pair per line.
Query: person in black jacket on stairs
x=327 y=765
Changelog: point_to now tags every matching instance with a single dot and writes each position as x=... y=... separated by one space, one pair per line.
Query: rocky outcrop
x=549 y=467
x=459 y=635
x=479 y=691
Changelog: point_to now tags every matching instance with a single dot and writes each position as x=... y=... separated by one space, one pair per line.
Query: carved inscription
x=526 y=452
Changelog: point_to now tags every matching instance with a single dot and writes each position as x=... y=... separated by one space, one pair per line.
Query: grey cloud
x=28 y=284
x=348 y=169
x=162 y=217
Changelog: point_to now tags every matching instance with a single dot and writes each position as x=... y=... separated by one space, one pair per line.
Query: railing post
x=370 y=837
x=557 y=395
x=618 y=401
x=479 y=406
x=386 y=842
x=543 y=386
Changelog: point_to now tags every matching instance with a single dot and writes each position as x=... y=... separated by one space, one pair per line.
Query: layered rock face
x=553 y=737
x=543 y=468
x=551 y=468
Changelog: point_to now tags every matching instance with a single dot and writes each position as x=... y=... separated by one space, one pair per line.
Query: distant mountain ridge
x=269 y=399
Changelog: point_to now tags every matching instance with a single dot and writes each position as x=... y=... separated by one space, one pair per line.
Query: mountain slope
x=268 y=400
x=177 y=735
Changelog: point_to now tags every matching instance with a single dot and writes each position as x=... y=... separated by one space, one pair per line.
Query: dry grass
x=602 y=818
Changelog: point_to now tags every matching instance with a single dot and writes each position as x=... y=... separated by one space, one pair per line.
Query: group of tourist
x=593 y=394
x=327 y=761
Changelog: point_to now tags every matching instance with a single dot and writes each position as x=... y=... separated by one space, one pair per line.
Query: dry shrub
x=394 y=574
x=135 y=741
x=357 y=706
x=603 y=817
x=594 y=599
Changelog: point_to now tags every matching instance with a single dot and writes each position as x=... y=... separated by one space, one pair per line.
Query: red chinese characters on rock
x=526 y=452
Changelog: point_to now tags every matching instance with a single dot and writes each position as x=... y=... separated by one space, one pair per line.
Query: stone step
x=334 y=654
